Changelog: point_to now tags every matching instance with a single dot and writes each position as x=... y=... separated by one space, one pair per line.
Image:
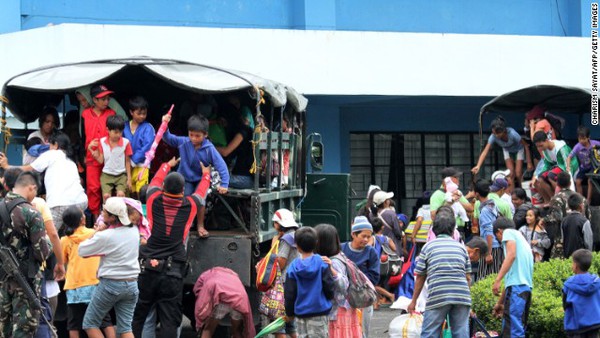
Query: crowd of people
x=134 y=259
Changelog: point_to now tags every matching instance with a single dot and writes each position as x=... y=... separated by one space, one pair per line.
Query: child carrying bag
x=266 y=269
x=361 y=292
x=272 y=301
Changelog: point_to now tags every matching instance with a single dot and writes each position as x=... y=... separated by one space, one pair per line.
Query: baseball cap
x=285 y=218
x=372 y=188
x=450 y=172
x=499 y=183
x=361 y=223
x=116 y=206
x=382 y=196
x=537 y=112
x=500 y=173
x=99 y=91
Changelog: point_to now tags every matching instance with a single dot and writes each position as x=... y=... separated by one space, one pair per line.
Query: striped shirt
x=446 y=263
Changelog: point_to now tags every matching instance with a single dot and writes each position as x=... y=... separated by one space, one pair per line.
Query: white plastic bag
x=406 y=326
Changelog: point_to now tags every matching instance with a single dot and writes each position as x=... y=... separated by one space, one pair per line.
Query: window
x=409 y=164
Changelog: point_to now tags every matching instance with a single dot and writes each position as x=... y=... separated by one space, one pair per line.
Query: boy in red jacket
x=93 y=129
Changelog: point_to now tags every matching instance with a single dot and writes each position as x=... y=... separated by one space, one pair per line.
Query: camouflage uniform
x=557 y=210
x=27 y=237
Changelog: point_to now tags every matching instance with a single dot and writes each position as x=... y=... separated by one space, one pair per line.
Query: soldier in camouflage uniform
x=27 y=237
x=557 y=210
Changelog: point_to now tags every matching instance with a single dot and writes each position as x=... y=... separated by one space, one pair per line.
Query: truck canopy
x=25 y=100
x=555 y=99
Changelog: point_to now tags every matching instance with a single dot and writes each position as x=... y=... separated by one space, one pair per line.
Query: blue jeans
x=189 y=188
x=110 y=293
x=459 y=321
x=150 y=325
x=241 y=182
x=367 y=314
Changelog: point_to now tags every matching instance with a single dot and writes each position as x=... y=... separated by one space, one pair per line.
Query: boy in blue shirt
x=308 y=288
x=581 y=298
x=366 y=259
x=140 y=134
x=517 y=271
x=193 y=149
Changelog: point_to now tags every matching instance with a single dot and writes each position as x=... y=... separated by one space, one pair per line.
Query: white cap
x=500 y=174
x=116 y=206
x=371 y=188
x=285 y=218
x=382 y=196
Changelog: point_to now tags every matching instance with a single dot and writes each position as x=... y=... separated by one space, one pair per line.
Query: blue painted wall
x=517 y=17
x=10 y=16
x=325 y=120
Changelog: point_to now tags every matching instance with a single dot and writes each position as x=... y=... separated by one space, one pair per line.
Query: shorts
x=138 y=184
x=551 y=174
x=222 y=310
x=75 y=313
x=519 y=155
x=109 y=182
x=581 y=174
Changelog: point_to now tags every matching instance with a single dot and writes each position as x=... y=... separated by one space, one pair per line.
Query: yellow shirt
x=80 y=271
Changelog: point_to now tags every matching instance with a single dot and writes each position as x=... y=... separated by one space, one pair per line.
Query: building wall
x=512 y=17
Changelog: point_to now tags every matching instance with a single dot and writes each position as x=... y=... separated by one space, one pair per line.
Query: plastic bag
x=406 y=326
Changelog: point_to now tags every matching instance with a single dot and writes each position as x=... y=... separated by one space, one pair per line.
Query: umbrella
x=275 y=326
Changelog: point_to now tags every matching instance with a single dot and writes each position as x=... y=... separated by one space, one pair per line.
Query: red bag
x=266 y=269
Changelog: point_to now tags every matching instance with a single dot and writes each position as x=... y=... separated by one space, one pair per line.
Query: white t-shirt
x=424 y=212
x=506 y=197
x=62 y=179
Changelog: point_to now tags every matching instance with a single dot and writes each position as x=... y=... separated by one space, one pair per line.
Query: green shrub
x=546 y=314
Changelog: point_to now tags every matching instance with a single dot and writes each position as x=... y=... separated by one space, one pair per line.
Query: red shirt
x=94 y=127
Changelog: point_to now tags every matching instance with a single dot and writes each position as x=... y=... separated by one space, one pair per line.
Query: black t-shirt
x=243 y=153
x=171 y=218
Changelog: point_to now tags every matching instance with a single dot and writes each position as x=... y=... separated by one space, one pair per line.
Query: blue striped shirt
x=446 y=263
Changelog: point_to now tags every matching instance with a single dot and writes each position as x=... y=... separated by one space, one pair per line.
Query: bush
x=546 y=314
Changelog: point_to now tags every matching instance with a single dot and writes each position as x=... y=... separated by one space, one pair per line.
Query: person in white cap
x=286 y=226
x=119 y=268
x=381 y=209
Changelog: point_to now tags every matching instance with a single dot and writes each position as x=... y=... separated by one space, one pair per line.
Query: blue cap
x=361 y=223
x=403 y=218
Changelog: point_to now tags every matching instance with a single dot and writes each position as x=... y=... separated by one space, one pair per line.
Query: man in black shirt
x=163 y=258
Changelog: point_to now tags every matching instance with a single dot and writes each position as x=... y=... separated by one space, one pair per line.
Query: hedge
x=546 y=313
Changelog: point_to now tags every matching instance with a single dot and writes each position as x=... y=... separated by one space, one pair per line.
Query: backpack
x=390 y=263
x=361 y=292
x=28 y=268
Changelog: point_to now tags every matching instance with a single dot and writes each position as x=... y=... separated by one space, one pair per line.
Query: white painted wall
x=323 y=62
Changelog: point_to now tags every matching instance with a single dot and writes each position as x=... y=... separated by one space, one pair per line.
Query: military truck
x=239 y=222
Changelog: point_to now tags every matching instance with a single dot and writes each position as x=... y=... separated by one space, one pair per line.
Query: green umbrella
x=275 y=326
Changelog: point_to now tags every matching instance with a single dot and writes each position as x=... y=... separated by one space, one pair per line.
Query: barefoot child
x=195 y=149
